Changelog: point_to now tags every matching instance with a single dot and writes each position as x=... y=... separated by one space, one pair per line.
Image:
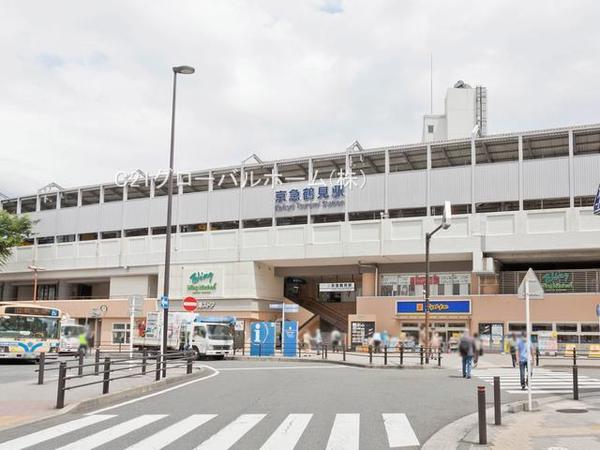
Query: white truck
x=70 y=332
x=205 y=336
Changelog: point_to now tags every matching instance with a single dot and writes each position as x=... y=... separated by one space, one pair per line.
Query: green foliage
x=13 y=230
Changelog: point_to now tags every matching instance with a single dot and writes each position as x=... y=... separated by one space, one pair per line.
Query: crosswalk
x=543 y=381
x=344 y=433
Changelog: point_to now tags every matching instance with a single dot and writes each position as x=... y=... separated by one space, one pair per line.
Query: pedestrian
x=435 y=344
x=466 y=348
x=336 y=338
x=512 y=347
x=523 y=349
x=477 y=352
x=83 y=343
x=318 y=340
x=376 y=341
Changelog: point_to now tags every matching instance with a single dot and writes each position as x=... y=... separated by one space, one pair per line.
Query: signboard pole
x=282 y=327
x=528 y=347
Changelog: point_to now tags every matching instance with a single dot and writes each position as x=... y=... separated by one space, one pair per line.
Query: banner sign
x=263 y=339
x=435 y=307
x=290 y=338
x=557 y=281
x=336 y=287
x=201 y=283
x=361 y=332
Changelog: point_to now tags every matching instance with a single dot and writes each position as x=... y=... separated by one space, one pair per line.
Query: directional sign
x=190 y=304
x=536 y=291
x=164 y=302
x=288 y=308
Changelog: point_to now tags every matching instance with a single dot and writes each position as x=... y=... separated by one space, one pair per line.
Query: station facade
x=340 y=234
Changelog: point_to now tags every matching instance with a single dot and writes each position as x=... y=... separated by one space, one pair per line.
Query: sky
x=86 y=87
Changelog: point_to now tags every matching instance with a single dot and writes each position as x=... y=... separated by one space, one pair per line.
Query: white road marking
x=52 y=432
x=232 y=433
x=345 y=432
x=110 y=434
x=287 y=435
x=233 y=369
x=399 y=431
x=154 y=394
x=170 y=434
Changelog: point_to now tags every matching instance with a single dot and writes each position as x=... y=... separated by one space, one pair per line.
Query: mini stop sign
x=190 y=304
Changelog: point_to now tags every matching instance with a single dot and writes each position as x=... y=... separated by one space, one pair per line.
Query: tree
x=13 y=231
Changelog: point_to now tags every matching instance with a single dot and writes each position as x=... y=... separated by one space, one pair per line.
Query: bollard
x=427 y=352
x=439 y=357
x=144 y=357
x=402 y=354
x=575 y=384
x=119 y=347
x=157 y=375
x=421 y=352
x=97 y=362
x=481 y=411
x=497 y=402
x=537 y=357
x=344 y=351
x=41 y=365
x=574 y=356
x=326 y=351
x=164 y=358
x=385 y=355
x=370 y=354
x=106 y=376
x=243 y=349
x=60 y=395
x=299 y=351
x=189 y=364
x=80 y=366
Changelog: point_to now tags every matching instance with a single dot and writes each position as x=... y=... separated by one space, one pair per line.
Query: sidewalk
x=24 y=400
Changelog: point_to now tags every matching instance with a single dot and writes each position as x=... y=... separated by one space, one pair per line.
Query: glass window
x=568 y=339
x=414 y=284
x=541 y=327
x=120 y=333
x=33 y=327
x=516 y=327
x=110 y=234
x=69 y=199
x=10 y=206
x=48 y=202
x=590 y=339
x=65 y=238
x=45 y=240
x=28 y=204
x=88 y=236
x=566 y=327
x=430 y=129
x=589 y=327
x=90 y=196
x=136 y=232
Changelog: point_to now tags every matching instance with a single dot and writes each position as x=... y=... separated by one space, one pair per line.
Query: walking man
x=466 y=348
x=523 y=348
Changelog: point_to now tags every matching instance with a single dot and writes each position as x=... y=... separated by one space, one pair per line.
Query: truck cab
x=211 y=339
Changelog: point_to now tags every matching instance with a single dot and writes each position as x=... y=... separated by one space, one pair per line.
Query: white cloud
x=87 y=91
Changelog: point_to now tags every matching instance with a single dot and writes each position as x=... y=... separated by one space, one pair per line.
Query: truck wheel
x=196 y=353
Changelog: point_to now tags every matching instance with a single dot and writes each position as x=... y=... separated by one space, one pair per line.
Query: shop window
x=516 y=327
x=163 y=230
x=589 y=327
x=28 y=205
x=110 y=234
x=414 y=284
x=45 y=240
x=296 y=220
x=113 y=194
x=65 y=238
x=192 y=228
x=589 y=339
x=48 y=202
x=88 y=236
x=568 y=339
x=566 y=327
x=229 y=225
x=541 y=327
x=257 y=223
x=10 y=206
x=133 y=232
x=90 y=196
x=69 y=199
x=121 y=333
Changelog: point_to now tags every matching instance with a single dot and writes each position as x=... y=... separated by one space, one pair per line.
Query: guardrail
x=109 y=366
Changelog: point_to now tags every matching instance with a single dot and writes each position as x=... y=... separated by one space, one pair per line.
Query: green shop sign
x=557 y=281
x=201 y=283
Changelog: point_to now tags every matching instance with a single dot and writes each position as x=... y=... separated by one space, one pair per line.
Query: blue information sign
x=262 y=339
x=435 y=307
x=290 y=338
x=164 y=302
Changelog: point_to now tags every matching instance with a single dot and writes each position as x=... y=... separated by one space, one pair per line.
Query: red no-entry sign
x=190 y=304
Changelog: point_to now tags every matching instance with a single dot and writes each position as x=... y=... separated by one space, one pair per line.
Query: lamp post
x=35 y=270
x=184 y=70
x=446 y=219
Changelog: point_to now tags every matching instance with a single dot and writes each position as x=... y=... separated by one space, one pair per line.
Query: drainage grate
x=572 y=410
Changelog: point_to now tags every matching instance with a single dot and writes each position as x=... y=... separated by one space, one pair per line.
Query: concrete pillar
x=368 y=284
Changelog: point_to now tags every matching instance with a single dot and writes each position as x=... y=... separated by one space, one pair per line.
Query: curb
x=451 y=436
x=84 y=406
x=329 y=361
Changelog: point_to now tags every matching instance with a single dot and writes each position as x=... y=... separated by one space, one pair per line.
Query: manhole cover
x=572 y=410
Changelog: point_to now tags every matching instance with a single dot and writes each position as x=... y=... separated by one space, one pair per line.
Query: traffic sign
x=190 y=304
x=536 y=291
x=164 y=302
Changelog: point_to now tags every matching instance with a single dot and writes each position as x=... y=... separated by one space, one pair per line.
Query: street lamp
x=35 y=270
x=446 y=219
x=184 y=70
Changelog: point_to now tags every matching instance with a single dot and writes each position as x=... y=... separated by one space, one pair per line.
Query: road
x=248 y=404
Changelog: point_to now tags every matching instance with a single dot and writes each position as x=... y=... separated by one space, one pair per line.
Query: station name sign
x=435 y=307
x=310 y=197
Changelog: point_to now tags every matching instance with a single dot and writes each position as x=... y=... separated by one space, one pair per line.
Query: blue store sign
x=435 y=307
x=263 y=339
x=290 y=338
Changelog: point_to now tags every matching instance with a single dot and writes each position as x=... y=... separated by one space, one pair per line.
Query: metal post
x=528 y=346
x=260 y=349
x=299 y=350
x=385 y=355
x=119 y=346
x=370 y=354
x=427 y=240
x=106 y=376
x=421 y=354
x=157 y=378
x=97 y=362
x=439 y=357
x=325 y=352
x=574 y=356
x=537 y=357
x=144 y=358
x=344 y=351
x=575 y=384
x=80 y=366
x=165 y=360
x=481 y=411
x=497 y=402
x=41 y=365
x=189 y=364
x=402 y=353
x=60 y=395
x=244 y=347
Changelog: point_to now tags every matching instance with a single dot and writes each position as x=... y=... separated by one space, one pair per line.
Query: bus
x=27 y=330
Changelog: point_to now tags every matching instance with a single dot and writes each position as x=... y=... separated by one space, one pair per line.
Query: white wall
x=130 y=285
